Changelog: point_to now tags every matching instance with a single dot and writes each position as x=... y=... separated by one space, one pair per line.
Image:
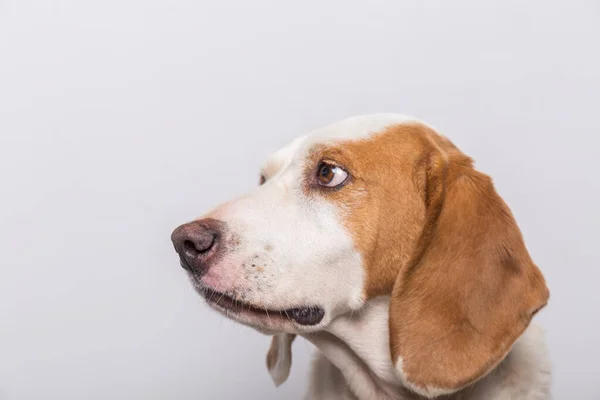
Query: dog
x=376 y=239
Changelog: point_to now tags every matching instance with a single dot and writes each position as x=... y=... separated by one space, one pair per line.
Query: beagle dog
x=376 y=239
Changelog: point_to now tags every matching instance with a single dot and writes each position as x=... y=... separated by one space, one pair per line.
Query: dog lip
x=308 y=316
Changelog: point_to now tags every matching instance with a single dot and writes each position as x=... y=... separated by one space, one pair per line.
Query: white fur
x=281 y=159
x=359 y=127
x=311 y=259
x=429 y=392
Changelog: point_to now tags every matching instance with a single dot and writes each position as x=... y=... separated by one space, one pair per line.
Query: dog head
x=373 y=205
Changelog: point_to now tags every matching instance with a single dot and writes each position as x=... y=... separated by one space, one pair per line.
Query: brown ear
x=470 y=289
x=279 y=357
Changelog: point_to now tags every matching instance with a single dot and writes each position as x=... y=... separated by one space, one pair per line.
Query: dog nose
x=196 y=243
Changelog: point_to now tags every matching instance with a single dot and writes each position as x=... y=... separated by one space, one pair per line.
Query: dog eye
x=330 y=175
x=262 y=180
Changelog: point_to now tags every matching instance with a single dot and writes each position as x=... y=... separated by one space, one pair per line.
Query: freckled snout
x=198 y=244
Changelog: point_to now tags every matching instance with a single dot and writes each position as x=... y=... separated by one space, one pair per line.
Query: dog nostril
x=190 y=250
x=198 y=246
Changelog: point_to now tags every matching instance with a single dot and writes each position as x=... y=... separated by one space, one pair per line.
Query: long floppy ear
x=470 y=289
x=279 y=357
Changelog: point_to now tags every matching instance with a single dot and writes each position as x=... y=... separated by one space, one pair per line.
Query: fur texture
x=409 y=274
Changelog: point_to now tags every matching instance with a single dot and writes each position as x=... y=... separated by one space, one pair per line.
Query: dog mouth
x=306 y=316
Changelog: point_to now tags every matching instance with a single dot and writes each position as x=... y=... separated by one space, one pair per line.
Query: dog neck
x=358 y=345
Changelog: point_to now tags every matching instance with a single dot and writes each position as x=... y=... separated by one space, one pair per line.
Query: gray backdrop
x=120 y=119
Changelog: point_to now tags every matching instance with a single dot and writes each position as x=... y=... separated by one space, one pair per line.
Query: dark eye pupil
x=326 y=173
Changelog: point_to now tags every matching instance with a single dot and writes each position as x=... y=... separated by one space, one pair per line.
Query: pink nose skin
x=199 y=244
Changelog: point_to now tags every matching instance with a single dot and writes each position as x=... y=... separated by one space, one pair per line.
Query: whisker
x=221 y=297
x=287 y=316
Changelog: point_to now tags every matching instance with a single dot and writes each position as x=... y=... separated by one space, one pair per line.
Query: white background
x=121 y=119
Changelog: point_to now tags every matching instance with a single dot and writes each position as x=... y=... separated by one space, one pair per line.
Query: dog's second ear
x=470 y=289
x=279 y=357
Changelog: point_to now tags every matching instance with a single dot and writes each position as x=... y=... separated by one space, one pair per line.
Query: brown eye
x=330 y=175
x=262 y=180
